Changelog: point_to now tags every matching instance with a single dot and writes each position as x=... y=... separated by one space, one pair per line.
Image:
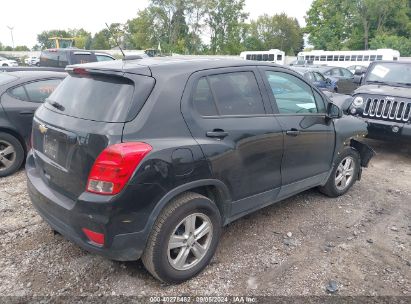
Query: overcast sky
x=32 y=17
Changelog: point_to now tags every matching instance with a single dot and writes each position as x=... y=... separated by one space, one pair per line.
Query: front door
x=228 y=113
x=309 y=137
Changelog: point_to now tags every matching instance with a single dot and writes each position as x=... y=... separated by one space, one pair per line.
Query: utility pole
x=11 y=32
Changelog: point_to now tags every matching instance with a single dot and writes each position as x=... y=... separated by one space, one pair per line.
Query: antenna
x=116 y=41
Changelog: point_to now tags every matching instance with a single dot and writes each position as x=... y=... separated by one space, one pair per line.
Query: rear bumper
x=69 y=217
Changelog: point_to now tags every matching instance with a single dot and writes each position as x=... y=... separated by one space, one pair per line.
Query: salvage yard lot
x=362 y=241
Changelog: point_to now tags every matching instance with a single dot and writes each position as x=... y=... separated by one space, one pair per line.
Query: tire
x=161 y=261
x=11 y=154
x=5 y=65
x=335 y=184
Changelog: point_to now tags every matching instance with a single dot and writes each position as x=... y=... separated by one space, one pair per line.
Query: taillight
x=114 y=166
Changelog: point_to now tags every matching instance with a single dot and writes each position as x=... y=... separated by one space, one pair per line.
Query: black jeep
x=384 y=100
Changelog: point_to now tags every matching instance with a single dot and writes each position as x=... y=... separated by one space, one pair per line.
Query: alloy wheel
x=7 y=155
x=344 y=173
x=190 y=241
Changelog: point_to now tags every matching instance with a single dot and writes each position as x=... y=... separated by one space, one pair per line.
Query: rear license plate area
x=50 y=147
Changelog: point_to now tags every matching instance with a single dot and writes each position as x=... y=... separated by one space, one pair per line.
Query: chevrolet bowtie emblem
x=43 y=129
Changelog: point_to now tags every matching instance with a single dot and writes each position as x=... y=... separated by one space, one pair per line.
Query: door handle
x=293 y=132
x=26 y=113
x=217 y=133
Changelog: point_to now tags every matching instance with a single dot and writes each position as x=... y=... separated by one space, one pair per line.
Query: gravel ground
x=358 y=244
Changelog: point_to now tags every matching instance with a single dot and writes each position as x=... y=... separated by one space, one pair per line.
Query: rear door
x=229 y=115
x=20 y=102
x=309 y=137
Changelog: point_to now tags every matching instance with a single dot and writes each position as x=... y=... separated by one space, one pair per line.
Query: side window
x=237 y=93
x=335 y=72
x=104 y=58
x=203 y=99
x=38 y=91
x=19 y=93
x=346 y=73
x=292 y=95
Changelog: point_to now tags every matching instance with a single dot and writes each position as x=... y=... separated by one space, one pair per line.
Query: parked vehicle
x=4 y=62
x=345 y=79
x=345 y=59
x=151 y=158
x=384 y=100
x=273 y=56
x=21 y=93
x=32 y=61
x=357 y=69
x=60 y=58
x=319 y=80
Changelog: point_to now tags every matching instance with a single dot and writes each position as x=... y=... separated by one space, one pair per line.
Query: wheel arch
x=214 y=189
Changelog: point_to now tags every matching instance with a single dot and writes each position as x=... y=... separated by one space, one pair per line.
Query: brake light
x=114 y=166
x=80 y=71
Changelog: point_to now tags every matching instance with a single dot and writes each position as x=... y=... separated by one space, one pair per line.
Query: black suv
x=151 y=158
x=60 y=58
x=384 y=100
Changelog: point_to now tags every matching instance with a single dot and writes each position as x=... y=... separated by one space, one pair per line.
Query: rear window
x=83 y=57
x=99 y=98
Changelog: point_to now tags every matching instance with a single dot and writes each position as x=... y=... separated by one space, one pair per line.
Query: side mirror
x=334 y=111
x=357 y=79
x=328 y=80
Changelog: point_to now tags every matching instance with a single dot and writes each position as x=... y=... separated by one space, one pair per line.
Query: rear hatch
x=83 y=116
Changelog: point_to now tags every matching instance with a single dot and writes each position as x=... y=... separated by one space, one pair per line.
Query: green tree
x=352 y=24
x=147 y=30
x=43 y=37
x=329 y=23
x=82 y=38
x=101 y=40
x=107 y=38
x=275 y=32
x=21 y=48
x=224 y=19
x=402 y=44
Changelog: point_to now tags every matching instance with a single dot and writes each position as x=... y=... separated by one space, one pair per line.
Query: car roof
x=36 y=74
x=153 y=65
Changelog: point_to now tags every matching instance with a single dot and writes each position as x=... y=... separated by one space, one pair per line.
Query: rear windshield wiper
x=55 y=104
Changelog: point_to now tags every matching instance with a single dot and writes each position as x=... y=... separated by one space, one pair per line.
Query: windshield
x=390 y=73
x=5 y=78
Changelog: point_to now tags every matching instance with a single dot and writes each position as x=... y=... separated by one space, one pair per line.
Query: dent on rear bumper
x=59 y=212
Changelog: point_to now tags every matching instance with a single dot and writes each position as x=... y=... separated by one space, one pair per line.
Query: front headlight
x=358 y=102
